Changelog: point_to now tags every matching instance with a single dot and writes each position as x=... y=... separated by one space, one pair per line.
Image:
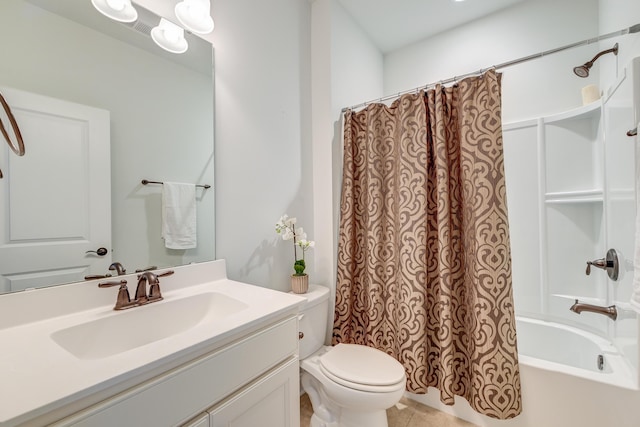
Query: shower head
x=583 y=70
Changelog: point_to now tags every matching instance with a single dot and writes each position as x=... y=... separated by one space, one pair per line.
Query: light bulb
x=194 y=15
x=169 y=36
x=118 y=10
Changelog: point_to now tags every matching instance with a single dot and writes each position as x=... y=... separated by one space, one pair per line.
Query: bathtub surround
x=635 y=294
x=426 y=249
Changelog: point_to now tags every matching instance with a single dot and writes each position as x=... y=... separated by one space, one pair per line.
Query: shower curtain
x=424 y=264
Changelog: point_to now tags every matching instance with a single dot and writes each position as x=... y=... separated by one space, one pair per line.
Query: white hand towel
x=635 y=295
x=179 y=215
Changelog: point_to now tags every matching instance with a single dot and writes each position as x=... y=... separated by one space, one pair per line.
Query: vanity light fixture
x=195 y=15
x=119 y=10
x=169 y=36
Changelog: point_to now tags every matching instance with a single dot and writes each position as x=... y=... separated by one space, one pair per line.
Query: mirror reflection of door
x=56 y=199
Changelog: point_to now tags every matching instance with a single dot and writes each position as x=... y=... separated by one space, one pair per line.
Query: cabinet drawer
x=176 y=396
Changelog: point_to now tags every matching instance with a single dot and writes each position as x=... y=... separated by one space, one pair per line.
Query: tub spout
x=611 y=311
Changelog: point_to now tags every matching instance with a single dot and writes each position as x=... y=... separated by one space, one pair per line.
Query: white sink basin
x=138 y=326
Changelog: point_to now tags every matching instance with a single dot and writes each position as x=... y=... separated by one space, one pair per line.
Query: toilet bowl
x=349 y=385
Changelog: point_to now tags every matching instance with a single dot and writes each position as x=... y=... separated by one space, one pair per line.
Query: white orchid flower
x=300 y=234
x=286 y=227
x=306 y=244
x=287 y=235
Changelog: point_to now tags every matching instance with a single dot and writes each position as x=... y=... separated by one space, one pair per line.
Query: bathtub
x=569 y=378
x=561 y=348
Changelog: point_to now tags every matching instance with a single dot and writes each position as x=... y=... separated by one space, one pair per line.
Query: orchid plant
x=287 y=228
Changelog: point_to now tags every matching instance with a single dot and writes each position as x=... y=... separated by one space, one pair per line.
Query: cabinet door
x=272 y=401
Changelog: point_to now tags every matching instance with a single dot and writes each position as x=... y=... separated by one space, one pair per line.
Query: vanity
x=212 y=352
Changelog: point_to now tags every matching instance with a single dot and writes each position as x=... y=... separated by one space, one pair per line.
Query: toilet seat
x=362 y=368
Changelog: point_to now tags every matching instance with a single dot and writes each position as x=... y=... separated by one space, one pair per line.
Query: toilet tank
x=312 y=320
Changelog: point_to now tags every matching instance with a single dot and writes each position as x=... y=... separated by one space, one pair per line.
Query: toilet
x=349 y=385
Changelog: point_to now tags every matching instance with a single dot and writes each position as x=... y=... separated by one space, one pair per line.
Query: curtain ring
x=19 y=148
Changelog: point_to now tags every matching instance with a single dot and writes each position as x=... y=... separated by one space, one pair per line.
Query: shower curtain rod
x=630 y=30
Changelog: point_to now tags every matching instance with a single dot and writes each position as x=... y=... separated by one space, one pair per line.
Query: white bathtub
x=561 y=348
x=562 y=385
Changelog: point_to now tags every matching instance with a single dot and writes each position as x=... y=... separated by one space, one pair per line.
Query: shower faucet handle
x=599 y=263
x=610 y=264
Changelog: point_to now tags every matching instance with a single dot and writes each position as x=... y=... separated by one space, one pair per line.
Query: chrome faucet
x=611 y=311
x=154 y=294
x=118 y=268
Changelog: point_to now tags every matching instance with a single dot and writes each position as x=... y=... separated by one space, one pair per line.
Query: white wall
x=544 y=85
x=263 y=135
x=346 y=68
x=615 y=15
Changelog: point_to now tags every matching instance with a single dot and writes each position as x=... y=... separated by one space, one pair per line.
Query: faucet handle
x=97 y=276
x=610 y=264
x=154 y=287
x=599 y=263
x=166 y=273
x=151 y=267
x=124 y=300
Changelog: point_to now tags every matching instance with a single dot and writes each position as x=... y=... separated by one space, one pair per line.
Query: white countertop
x=39 y=376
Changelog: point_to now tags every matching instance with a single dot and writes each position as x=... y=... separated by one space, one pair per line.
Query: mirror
x=161 y=114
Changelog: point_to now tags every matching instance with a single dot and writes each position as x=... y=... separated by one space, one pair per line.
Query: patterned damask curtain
x=424 y=264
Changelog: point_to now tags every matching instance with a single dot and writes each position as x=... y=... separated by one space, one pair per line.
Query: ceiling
x=392 y=24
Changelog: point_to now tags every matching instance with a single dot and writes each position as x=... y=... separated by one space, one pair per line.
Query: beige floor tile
x=407 y=413
x=306 y=410
x=400 y=415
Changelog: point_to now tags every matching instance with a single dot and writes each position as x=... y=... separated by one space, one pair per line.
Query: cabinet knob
x=300 y=335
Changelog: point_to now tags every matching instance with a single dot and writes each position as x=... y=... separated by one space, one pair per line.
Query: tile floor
x=406 y=414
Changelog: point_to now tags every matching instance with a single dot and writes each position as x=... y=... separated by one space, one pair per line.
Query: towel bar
x=146 y=181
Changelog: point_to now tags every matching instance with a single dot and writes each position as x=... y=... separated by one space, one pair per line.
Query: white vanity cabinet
x=201 y=420
x=271 y=401
x=253 y=380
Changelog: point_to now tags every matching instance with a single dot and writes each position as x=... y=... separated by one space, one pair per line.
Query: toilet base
x=336 y=405
x=327 y=413
x=353 y=419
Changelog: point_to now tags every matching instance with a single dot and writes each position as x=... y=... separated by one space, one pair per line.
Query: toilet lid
x=358 y=364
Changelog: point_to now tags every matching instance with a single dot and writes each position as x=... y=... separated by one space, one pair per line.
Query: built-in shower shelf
x=585 y=112
x=567 y=197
